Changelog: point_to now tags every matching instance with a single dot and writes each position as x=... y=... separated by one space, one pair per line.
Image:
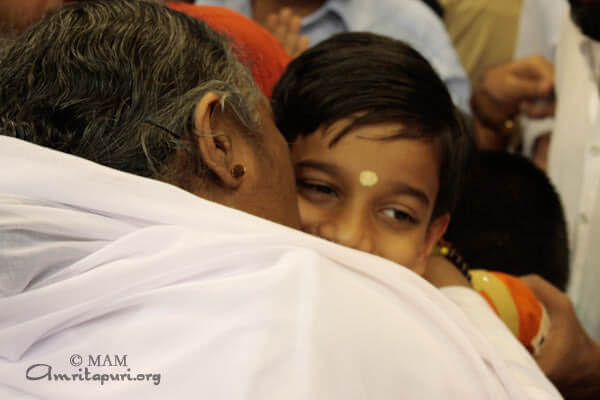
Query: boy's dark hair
x=374 y=79
x=510 y=219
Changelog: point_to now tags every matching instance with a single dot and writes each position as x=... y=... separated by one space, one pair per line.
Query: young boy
x=378 y=146
x=379 y=152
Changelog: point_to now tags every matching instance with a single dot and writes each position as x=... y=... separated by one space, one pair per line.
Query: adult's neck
x=261 y=9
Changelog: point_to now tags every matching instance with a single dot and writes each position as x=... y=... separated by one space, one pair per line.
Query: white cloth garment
x=539 y=29
x=493 y=330
x=574 y=166
x=134 y=289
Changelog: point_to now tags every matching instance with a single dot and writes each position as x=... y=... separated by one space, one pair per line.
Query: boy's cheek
x=310 y=216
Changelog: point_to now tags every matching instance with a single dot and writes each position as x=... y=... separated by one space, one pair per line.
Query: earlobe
x=436 y=230
x=215 y=147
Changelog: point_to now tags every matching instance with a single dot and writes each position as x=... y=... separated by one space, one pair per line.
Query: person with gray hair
x=133 y=113
x=140 y=178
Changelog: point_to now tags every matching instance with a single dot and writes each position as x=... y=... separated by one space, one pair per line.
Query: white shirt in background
x=574 y=166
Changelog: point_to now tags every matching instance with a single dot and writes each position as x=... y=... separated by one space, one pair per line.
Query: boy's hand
x=285 y=26
x=570 y=358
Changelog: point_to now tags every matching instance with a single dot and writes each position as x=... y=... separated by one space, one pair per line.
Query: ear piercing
x=238 y=171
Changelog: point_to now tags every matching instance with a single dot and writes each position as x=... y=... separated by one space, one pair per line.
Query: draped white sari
x=116 y=286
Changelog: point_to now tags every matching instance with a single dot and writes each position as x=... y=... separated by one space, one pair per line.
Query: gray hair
x=85 y=80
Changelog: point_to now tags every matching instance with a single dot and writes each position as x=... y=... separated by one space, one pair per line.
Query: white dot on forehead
x=368 y=178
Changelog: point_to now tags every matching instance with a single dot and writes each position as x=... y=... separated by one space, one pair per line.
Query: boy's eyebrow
x=403 y=188
x=331 y=169
x=396 y=187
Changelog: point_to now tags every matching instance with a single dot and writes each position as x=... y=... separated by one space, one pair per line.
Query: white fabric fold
x=210 y=302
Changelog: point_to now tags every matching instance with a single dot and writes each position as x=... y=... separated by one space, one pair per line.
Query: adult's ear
x=215 y=145
x=436 y=230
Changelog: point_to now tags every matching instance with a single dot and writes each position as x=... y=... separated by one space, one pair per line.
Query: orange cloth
x=515 y=304
x=255 y=47
x=528 y=306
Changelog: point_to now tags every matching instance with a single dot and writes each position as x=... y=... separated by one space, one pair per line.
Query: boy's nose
x=348 y=231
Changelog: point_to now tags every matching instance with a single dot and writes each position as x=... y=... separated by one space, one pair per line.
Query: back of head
x=374 y=79
x=510 y=219
x=585 y=14
x=85 y=80
x=255 y=47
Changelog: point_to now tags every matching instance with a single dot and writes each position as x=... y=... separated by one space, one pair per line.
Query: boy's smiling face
x=369 y=191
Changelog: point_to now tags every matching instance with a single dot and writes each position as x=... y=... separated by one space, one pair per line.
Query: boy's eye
x=398 y=215
x=315 y=189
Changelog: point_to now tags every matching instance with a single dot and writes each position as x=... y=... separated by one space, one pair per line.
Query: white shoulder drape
x=221 y=304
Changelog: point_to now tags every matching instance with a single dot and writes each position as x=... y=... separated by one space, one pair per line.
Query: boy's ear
x=436 y=230
x=215 y=147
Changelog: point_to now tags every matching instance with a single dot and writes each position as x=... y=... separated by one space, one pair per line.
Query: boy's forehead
x=367 y=148
x=375 y=131
x=383 y=136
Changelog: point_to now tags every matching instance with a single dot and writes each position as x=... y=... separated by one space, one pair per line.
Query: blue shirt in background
x=408 y=20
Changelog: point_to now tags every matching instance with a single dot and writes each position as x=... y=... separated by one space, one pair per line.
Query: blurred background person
x=574 y=154
x=508 y=51
x=299 y=24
